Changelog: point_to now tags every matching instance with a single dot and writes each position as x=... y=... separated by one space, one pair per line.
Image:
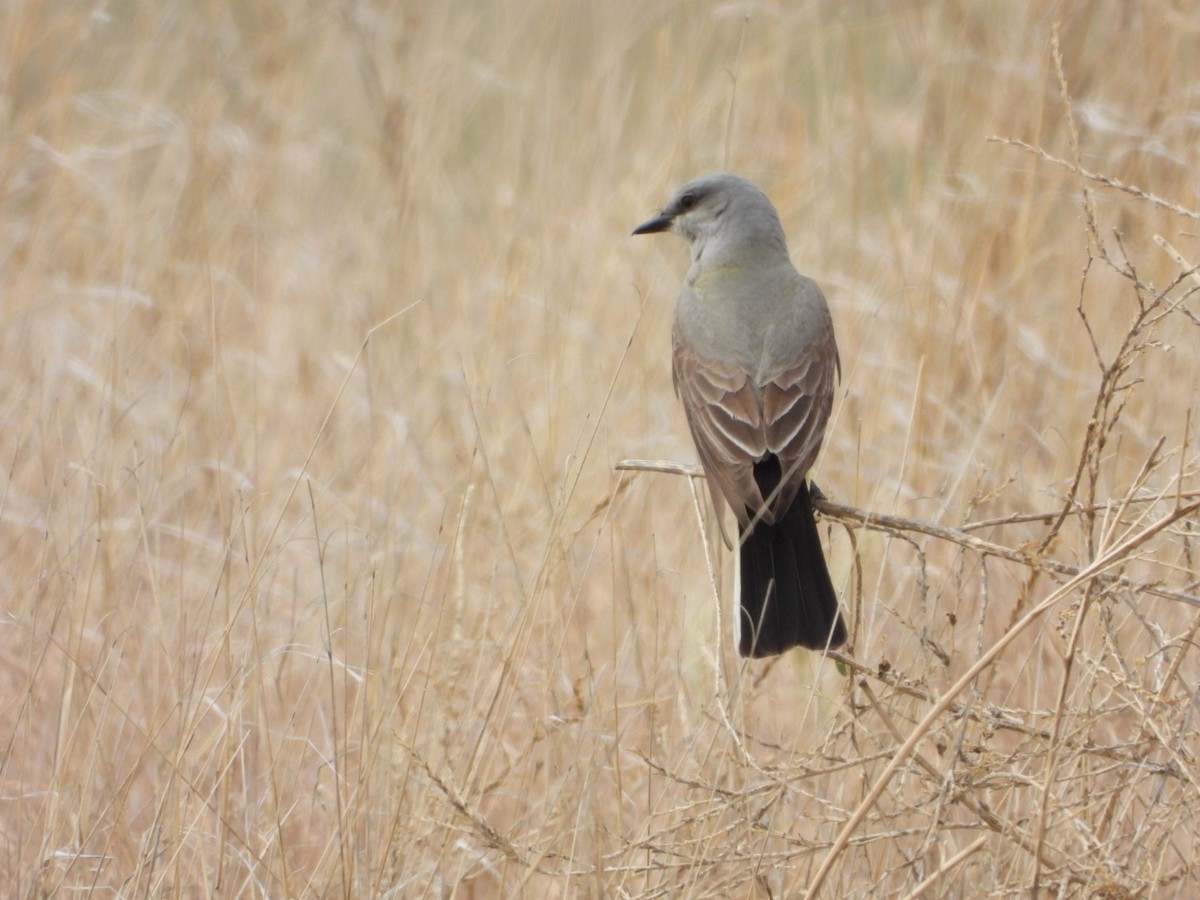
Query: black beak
x=658 y=223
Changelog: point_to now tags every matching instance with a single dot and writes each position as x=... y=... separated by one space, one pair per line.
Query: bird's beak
x=658 y=223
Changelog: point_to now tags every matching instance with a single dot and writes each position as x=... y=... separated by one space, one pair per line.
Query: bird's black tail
x=787 y=596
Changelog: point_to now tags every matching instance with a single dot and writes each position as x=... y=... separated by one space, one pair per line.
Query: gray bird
x=754 y=363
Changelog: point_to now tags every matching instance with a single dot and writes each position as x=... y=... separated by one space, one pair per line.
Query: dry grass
x=284 y=619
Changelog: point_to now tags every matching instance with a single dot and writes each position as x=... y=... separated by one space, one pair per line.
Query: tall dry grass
x=324 y=341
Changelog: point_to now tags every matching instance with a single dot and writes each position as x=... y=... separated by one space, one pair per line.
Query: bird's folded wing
x=796 y=404
x=734 y=424
x=725 y=418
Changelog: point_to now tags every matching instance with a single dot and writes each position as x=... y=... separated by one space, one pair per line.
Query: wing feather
x=736 y=421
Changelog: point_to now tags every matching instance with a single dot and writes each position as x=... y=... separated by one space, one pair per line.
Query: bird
x=755 y=363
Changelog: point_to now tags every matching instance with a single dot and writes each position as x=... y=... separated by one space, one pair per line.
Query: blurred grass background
x=281 y=619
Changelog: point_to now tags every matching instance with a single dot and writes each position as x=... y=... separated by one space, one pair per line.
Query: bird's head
x=718 y=208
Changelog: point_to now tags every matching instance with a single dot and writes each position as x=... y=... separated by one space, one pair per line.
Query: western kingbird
x=754 y=363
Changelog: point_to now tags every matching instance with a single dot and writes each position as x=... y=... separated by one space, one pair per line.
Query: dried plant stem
x=901 y=524
x=1116 y=555
x=946 y=867
x=1106 y=180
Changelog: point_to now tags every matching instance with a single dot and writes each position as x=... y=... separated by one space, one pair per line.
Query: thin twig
x=1106 y=180
x=893 y=524
x=946 y=867
x=1114 y=556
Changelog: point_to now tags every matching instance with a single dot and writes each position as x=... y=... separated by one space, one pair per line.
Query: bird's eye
x=687 y=201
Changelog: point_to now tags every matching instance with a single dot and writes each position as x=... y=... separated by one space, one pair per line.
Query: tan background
x=284 y=620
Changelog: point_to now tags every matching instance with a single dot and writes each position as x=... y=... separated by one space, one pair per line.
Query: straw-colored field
x=324 y=340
